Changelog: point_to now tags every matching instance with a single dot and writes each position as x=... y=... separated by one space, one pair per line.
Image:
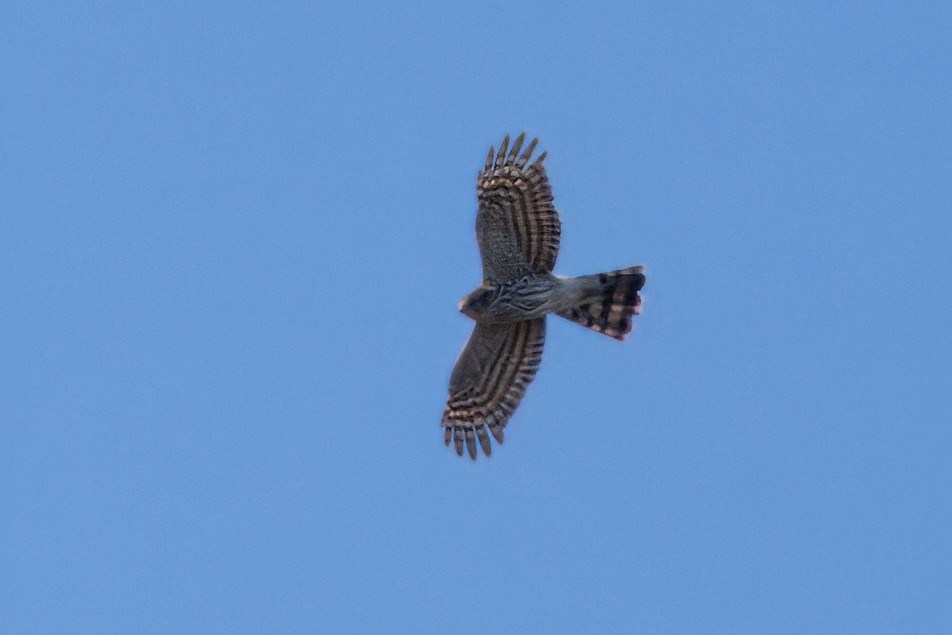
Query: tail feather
x=610 y=312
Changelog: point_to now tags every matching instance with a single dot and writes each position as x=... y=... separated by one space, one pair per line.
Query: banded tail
x=616 y=300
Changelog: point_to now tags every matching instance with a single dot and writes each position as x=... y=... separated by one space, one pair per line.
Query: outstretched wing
x=517 y=227
x=490 y=377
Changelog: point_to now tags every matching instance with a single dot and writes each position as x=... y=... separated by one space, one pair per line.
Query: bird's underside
x=518 y=232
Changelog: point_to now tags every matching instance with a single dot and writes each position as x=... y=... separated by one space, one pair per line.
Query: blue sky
x=233 y=238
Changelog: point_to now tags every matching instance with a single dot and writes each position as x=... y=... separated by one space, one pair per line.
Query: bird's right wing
x=517 y=227
x=490 y=377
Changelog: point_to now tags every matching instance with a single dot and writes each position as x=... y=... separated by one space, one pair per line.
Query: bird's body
x=530 y=296
x=518 y=233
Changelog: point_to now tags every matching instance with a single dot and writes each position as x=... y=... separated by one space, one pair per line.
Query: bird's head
x=477 y=303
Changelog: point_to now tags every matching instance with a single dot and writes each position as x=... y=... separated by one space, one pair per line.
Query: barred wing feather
x=488 y=382
x=517 y=227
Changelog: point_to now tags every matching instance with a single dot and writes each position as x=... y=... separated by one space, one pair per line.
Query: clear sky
x=232 y=240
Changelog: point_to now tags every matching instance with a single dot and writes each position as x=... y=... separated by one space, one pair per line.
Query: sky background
x=232 y=239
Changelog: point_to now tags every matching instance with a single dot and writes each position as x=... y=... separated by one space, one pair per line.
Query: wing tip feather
x=501 y=155
x=516 y=146
x=527 y=154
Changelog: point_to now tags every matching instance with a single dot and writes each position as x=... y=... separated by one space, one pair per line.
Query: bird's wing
x=517 y=227
x=490 y=377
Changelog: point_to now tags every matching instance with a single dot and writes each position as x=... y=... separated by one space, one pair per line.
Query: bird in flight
x=518 y=230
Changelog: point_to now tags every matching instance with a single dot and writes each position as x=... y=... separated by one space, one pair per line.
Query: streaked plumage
x=518 y=230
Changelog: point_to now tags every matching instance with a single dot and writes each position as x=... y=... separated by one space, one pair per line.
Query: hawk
x=518 y=229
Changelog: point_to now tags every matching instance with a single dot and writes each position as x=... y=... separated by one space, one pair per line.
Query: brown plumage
x=518 y=230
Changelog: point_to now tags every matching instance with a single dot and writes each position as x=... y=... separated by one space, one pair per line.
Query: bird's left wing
x=489 y=380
